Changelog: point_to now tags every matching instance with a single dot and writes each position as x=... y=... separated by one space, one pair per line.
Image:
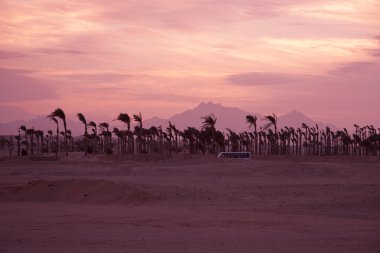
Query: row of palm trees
x=264 y=140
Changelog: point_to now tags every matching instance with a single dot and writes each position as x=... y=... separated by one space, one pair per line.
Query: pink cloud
x=58 y=51
x=13 y=113
x=353 y=68
x=5 y=54
x=97 y=77
x=260 y=78
x=16 y=86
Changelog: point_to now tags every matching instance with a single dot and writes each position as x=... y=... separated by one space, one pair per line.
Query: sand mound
x=75 y=191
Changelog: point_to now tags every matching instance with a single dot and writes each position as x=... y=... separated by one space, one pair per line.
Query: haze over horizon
x=160 y=58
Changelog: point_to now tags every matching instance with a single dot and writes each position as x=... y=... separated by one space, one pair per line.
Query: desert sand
x=190 y=204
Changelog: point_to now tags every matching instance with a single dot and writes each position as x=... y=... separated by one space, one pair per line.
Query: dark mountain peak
x=208 y=105
x=217 y=108
x=295 y=113
x=156 y=118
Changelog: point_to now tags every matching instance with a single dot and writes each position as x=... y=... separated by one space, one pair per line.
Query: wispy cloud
x=352 y=68
x=50 y=51
x=97 y=77
x=260 y=78
x=16 y=86
x=374 y=52
x=5 y=54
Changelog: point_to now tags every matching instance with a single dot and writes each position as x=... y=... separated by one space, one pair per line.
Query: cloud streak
x=97 y=77
x=50 y=51
x=260 y=79
x=16 y=86
x=5 y=54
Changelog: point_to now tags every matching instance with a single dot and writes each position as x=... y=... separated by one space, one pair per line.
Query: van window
x=239 y=155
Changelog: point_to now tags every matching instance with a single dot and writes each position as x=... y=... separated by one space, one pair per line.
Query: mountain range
x=230 y=117
x=227 y=117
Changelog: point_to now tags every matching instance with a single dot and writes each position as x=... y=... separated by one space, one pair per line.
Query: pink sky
x=161 y=57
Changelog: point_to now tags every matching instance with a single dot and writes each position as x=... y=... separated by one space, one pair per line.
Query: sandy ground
x=190 y=205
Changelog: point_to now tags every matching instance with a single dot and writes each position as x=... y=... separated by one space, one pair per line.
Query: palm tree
x=138 y=119
x=94 y=127
x=30 y=132
x=24 y=151
x=84 y=121
x=191 y=134
x=93 y=137
x=209 y=122
x=8 y=143
x=138 y=130
x=153 y=133
x=124 y=117
x=120 y=137
x=307 y=138
x=70 y=141
x=220 y=141
x=57 y=141
x=252 y=121
x=272 y=121
x=174 y=130
x=107 y=137
x=59 y=113
x=233 y=140
x=169 y=135
x=49 y=140
x=40 y=141
x=19 y=143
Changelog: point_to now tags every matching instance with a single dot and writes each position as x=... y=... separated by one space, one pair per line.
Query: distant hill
x=155 y=121
x=227 y=117
x=295 y=119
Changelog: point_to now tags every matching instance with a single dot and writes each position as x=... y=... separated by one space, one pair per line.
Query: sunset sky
x=160 y=57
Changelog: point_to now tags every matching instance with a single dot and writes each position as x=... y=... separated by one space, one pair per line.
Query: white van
x=239 y=155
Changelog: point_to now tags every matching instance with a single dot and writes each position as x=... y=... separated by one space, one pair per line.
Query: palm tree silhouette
x=107 y=137
x=59 y=113
x=272 y=121
x=169 y=136
x=138 y=131
x=93 y=137
x=18 y=138
x=49 y=140
x=40 y=141
x=124 y=117
x=301 y=141
x=24 y=151
x=84 y=121
x=307 y=138
x=8 y=143
x=208 y=123
x=30 y=132
x=57 y=138
x=173 y=129
x=191 y=135
x=252 y=121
